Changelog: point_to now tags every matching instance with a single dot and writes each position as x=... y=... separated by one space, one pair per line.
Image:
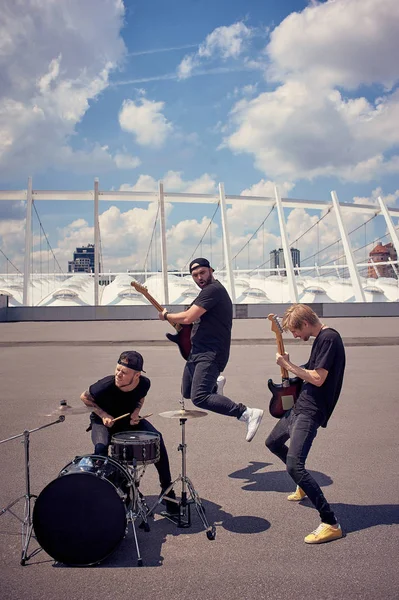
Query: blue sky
x=248 y=92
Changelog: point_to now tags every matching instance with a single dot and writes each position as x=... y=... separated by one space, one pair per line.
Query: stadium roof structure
x=289 y=289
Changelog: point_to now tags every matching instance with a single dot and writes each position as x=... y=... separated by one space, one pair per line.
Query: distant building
x=277 y=259
x=83 y=260
x=381 y=254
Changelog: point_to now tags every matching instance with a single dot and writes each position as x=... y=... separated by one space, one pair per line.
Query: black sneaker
x=171 y=507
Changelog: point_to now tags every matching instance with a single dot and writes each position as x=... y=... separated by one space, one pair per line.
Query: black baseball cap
x=132 y=360
x=199 y=262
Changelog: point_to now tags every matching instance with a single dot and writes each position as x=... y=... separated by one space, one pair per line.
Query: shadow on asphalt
x=273 y=481
x=352 y=517
x=150 y=542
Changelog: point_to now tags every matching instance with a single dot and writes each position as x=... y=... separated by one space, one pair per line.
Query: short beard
x=209 y=279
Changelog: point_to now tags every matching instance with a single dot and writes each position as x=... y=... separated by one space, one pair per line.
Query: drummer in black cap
x=114 y=396
x=211 y=314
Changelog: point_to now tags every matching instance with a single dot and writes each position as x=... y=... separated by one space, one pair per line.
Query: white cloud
x=205 y=184
x=145 y=121
x=266 y=189
x=125 y=234
x=90 y=157
x=226 y=41
x=173 y=182
x=126 y=161
x=390 y=199
x=306 y=127
x=125 y=237
x=339 y=43
x=145 y=183
x=77 y=224
x=244 y=219
x=55 y=58
x=223 y=43
x=186 y=66
x=299 y=131
x=242 y=92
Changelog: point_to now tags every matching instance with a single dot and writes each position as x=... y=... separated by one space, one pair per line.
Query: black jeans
x=101 y=438
x=301 y=430
x=199 y=384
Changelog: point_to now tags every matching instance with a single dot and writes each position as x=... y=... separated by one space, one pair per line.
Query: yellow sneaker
x=299 y=494
x=324 y=533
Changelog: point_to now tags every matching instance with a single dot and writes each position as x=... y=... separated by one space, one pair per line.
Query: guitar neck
x=277 y=329
x=280 y=350
x=156 y=304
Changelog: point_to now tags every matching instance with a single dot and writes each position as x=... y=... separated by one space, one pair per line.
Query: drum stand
x=183 y=518
x=27 y=526
x=138 y=510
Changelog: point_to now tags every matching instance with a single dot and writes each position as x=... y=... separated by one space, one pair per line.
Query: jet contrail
x=156 y=50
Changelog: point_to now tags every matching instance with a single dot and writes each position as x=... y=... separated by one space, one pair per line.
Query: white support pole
x=286 y=248
x=374 y=267
x=394 y=267
x=28 y=243
x=350 y=261
x=164 y=259
x=390 y=224
x=226 y=244
x=96 y=243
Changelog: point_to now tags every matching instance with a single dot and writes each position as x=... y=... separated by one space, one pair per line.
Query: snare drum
x=142 y=446
x=81 y=517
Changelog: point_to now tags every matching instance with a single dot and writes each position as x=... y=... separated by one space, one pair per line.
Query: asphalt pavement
x=259 y=550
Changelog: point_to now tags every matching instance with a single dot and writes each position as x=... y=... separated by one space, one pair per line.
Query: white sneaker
x=221 y=380
x=252 y=417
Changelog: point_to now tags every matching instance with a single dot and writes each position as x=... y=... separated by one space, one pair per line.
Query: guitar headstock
x=277 y=328
x=137 y=286
x=276 y=325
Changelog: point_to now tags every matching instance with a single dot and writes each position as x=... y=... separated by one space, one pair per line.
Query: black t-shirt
x=327 y=353
x=115 y=402
x=212 y=331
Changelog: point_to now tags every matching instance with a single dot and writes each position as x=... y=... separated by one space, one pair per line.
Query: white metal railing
x=96 y=195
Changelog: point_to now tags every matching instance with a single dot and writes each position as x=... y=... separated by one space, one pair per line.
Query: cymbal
x=183 y=414
x=66 y=409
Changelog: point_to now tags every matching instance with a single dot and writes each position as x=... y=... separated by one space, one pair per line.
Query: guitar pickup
x=287 y=401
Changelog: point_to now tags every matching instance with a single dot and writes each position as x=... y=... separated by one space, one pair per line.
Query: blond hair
x=297 y=314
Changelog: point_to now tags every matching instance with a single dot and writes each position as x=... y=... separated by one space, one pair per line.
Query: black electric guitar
x=182 y=337
x=286 y=392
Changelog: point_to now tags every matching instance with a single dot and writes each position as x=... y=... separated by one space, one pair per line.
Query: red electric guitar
x=182 y=337
x=286 y=392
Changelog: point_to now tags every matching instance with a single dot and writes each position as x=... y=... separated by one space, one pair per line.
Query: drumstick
x=127 y=414
x=121 y=417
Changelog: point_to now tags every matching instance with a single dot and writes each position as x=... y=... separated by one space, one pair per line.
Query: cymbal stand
x=183 y=518
x=27 y=526
x=138 y=509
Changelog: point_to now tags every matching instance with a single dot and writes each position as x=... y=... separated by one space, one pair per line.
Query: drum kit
x=81 y=517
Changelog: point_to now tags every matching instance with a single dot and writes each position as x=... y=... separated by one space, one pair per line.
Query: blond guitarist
x=322 y=381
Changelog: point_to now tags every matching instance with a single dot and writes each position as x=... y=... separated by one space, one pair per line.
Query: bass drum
x=81 y=517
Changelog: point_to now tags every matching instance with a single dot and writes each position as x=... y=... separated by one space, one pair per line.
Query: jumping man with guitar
x=211 y=315
x=322 y=381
